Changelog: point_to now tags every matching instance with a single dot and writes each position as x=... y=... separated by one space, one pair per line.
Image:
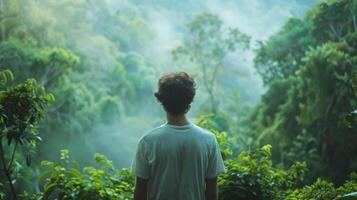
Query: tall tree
x=308 y=68
x=21 y=108
x=206 y=45
x=280 y=56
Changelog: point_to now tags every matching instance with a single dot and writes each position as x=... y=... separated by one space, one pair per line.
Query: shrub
x=251 y=176
x=64 y=180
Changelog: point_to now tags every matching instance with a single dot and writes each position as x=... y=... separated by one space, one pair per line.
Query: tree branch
x=2 y=23
x=335 y=31
x=12 y=157
x=6 y=171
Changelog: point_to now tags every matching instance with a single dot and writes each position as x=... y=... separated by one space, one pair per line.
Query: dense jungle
x=276 y=83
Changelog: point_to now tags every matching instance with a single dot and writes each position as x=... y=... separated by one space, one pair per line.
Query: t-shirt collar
x=183 y=127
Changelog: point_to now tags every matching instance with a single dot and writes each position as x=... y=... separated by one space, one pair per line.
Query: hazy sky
x=257 y=18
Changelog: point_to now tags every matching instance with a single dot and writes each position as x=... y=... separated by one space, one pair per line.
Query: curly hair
x=176 y=91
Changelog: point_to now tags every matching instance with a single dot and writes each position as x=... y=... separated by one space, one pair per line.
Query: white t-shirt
x=176 y=160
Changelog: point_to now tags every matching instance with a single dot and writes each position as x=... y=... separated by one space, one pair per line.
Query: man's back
x=177 y=160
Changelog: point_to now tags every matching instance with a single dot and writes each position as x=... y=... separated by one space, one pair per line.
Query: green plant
x=325 y=190
x=350 y=196
x=64 y=180
x=249 y=176
x=21 y=108
x=205 y=47
x=252 y=176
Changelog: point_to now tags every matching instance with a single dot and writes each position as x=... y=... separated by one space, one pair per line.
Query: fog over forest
x=276 y=84
x=148 y=32
x=166 y=23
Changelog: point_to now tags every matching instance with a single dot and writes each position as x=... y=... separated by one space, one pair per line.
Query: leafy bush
x=64 y=180
x=325 y=190
x=249 y=176
x=252 y=176
x=321 y=189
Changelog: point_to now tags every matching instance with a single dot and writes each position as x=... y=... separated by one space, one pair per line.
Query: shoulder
x=149 y=135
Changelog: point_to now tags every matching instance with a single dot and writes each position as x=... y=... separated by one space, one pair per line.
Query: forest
x=277 y=85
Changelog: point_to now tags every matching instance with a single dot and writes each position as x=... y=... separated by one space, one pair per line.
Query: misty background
x=102 y=58
x=165 y=23
x=276 y=84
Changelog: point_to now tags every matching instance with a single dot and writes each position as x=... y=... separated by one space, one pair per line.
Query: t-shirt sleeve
x=215 y=161
x=140 y=164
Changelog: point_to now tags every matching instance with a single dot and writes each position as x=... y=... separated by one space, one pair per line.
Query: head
x=176 y=91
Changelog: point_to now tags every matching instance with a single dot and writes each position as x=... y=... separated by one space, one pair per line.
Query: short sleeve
x=215 y=161
x=140 y=165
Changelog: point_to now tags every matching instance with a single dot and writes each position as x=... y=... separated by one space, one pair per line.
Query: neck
x=177 y=120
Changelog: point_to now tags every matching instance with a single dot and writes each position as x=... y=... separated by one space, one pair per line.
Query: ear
x=157 y=95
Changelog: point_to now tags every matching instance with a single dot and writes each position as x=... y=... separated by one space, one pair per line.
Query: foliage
x=65 y=180
x=319 y=190
x=334 y=19
x=350 y=196
x=96 y=60
x=325 y=190
x=252 y=176
x=249 y=175
x=308 y=109
x=89 y=57
x=206 y=46
x=21 y=108
x=5 y=76
x=280 y=56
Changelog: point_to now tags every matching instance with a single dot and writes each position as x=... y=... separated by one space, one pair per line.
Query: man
x=178 y=160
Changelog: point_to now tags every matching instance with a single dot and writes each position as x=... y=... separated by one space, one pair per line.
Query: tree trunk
x=7 y=171
x=2 y=23
x=212 y=101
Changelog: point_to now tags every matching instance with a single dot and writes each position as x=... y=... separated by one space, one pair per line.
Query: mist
x=105 y=102
x=276 y=84
x=166 y=29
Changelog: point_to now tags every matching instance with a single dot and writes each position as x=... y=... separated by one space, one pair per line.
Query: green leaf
x=49 y=188
x=28 y=160
x=350 y=196
x=73 y=172
x=5 y=76
x=44 y=175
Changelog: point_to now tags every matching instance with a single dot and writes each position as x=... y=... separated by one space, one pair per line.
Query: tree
x=309 y=68
x=334 y=19
x=281 y=55
x=328 y=96
x=206 y=46
x=21 y=108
